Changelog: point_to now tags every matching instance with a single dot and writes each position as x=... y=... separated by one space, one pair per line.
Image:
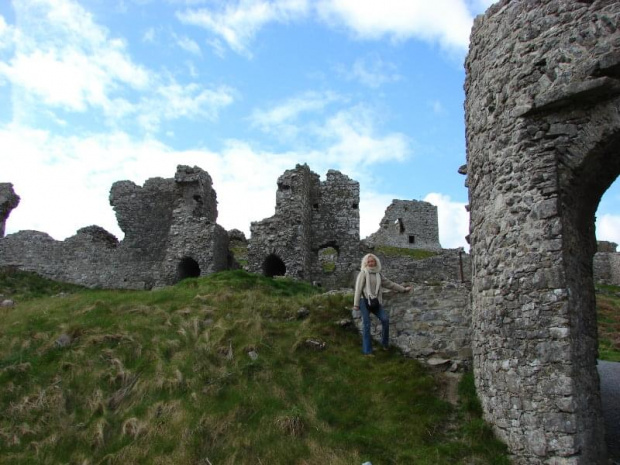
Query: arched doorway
x=273 y=266
x=188 y=268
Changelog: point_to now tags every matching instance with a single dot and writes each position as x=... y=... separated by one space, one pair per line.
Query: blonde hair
x=364 y=266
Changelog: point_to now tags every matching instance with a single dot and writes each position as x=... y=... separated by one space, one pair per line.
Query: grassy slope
x=166 y=377
x=608 y=315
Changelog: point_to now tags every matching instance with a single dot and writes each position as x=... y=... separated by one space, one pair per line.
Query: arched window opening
x=328 y=258
x=188 y=268
x=400 y=226
x=274 y=266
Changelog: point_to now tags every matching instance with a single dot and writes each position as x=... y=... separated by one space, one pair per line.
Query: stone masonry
x=170 y=233
x=607 y=263
x=8 y=201
x=432 y=323
x=314 y=233
x=409 y=224
x=543 y=138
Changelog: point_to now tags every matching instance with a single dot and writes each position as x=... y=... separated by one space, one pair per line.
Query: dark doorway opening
x=273 y=266
x=188 y=268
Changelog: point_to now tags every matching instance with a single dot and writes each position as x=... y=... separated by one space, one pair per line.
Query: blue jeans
x=384 y=318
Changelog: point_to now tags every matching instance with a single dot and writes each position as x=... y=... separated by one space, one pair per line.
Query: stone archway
x=188 y=268
x=543 y=142
x=273 y=266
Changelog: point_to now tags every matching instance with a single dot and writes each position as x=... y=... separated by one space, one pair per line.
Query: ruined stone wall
x=166 y=223
x=286 y=235
x=8 y=201
x=310 y=217
x=543 y=133
x=335 y=223
x=432 y=322
x=451 y=265
x=410 y=224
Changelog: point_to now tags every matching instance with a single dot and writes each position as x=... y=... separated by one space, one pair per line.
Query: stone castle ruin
x=314 y=233
x=543 y=145
x=409 y=224
x=170 y=234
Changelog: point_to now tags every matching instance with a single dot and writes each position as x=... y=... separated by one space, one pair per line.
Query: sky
x=98 y=91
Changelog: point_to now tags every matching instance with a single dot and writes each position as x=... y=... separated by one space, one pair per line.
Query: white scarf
x=367 y=290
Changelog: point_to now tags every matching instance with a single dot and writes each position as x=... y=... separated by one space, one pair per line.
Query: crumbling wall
x=432 y=323
x=310 y=217
x=8 y=201
x=335 y=225
x=543 y=136
x=410 y=224
x=607 y=263
x=170 y=233
x=450 y=265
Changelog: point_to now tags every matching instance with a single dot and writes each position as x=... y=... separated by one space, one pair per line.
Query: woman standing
x=369 y=299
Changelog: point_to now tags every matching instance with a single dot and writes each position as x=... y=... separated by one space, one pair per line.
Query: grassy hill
x=216 y=370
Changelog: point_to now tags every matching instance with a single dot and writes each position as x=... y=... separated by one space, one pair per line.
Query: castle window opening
x=400 y=225
x=188 y=268
x=355 y=206
x=274 y=266
x=412 y=239
x=315 y=206
x=328 y=257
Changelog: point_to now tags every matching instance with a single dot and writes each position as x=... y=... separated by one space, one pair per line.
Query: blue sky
x=97 y=91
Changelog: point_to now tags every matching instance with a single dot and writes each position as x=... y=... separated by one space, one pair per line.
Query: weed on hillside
x=233 y=368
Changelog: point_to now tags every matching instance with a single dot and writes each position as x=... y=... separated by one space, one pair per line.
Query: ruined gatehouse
x=543 y=145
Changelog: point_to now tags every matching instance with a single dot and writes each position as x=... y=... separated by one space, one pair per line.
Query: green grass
x=240 y=252
x=416 y=254
x=608 y=315
x=171 y=377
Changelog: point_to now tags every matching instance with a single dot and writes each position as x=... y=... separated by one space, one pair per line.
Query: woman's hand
x=408 y=288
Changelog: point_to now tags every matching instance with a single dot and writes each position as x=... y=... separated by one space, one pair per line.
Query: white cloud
x=173 y=101
x=436 y=107
x=188 y=45
x=352 y=142
x=372 y=72
x=237 y=23
x=65 y=60
x=149 y=35
x=283 y=119
x=7 y=34
x=446 y=21
x=453 y=221
x=608 y=228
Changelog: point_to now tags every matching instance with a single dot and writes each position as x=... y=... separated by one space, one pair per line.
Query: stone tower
x=543 y=145
x=314 y=233
x=409 y=224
